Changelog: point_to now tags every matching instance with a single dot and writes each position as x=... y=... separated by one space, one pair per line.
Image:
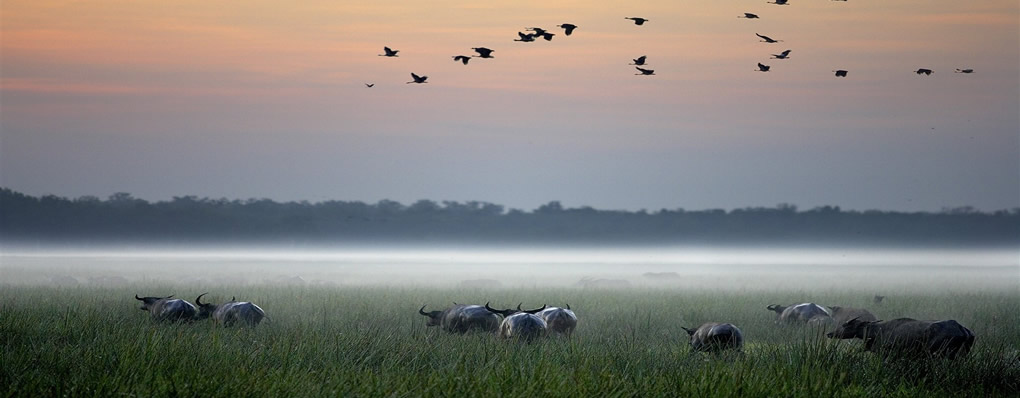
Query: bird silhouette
x=749 y=16
x=462 y=58
x=924 y=71
x=778 y=2
x=762 y=67
x=538 y=31
x=483 y=52
x=644 y=72
x=548 y=36
x=369 y=85
x=525 y=37
x=767 y=39
x=389 y=52
x=417 y=79
x=639 y=60
x=782 y=55
x=637 y=20
x=568 y=27
x=964 y=71
x=840 y=73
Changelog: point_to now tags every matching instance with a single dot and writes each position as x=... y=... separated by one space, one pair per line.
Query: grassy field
x=369 y=341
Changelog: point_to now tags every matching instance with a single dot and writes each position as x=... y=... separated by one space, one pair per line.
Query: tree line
x=190 y=219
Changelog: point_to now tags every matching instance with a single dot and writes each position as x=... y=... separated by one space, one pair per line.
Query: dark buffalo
x=462 y=318
x=167 y=308
x=559 y=320
x=802 y=313
x=715 y=337
x=520 y=324
x=231 y=312
x=909 y=337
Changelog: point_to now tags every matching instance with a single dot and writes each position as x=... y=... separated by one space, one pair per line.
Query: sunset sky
x=243 y=99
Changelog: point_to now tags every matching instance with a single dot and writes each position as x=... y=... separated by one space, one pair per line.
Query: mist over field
x=702 y=268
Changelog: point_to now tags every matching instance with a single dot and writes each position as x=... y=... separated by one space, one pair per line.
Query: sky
x=267 y=99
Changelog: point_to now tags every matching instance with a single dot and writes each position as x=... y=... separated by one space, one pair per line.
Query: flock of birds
x=534 y=33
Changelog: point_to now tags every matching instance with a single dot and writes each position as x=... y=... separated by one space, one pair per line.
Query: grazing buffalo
x=520 y=324
x=231 y=312
x=909 y=337
x=462 y=318
x=559 y=320
x=714 y=337
x=801 y=313
x=843 y=314
x=167 y=308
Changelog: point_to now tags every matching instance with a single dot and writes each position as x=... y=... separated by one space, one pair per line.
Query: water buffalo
x=559 y=320
x=715 y=337
x=520 y=324
x=167 y=308
x=231 y=312
x=843 y=314
x=801 y=313
x=462 y=318
x=909 y=337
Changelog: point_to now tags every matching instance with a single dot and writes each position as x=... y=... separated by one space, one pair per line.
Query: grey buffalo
x=462 y=318
x=843 y=314
x=231 y=312
x=715 y=337
x=909 y=337
x=520 y=324
x=167 y=308
x=559 y=320
x=801 y=313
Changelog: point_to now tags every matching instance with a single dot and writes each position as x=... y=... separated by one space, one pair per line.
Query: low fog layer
x=689 y=268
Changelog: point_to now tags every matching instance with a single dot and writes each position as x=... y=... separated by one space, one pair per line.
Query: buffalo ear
x=690 y=332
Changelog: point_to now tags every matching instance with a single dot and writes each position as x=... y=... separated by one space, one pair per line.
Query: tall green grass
x=370 y=341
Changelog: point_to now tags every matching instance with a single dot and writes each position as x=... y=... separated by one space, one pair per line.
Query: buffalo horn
x=139 y=298
x=198 y=300
x=422 y=310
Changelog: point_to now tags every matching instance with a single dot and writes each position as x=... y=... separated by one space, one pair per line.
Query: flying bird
x=782 y=55
x=483 y=52
x=389 y=52
x=924 y=71
x=762 y=67
x=639 y=60
x=749 y=16
x=767 y=39
x=637 y=20
x=418 y=79
x=964 y=71
x=569 y=27
x=644 y=72
x=369 y=85
x=525 y=37
x=840 y=73
x=548 y=36
x=538 y=31
x=778 y=2
x=462 y=58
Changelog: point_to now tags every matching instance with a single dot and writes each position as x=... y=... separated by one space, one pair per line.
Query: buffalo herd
x=901 y=336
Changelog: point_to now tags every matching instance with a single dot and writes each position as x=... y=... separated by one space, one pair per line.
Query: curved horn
x=169 y=296
x=537 y=309
x=198 y=300
x=233 y=298
x=492 y=310
x=139 y=298
x=422 y=311
x=519 y=307
x=568 y=306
